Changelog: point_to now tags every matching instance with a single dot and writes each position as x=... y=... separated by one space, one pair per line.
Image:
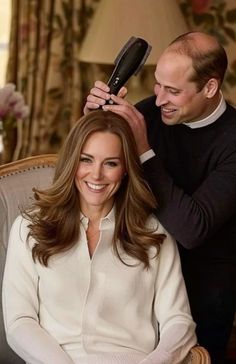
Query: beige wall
x=5 y=7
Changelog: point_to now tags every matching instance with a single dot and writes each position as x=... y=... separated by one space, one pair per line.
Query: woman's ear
x=211 y=88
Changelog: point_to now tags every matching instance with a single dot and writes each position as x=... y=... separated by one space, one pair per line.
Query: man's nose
x=161 y=97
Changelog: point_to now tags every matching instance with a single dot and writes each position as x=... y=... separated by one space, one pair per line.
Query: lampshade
x=115 y=21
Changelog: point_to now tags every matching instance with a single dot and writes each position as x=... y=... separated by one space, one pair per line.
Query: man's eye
x=174 y=92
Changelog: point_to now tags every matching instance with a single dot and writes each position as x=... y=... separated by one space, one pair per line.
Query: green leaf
x=55 y=139
x=220 y=35
x=220 y=19
x=218 y=8
x=230 y=78
x=55 y=93
x=185 y=7
x=233 y=65
x=230 y=32
x=58 y=21
x=67 y=9
x=231 y=16
x=207 y=19
x=66 y=113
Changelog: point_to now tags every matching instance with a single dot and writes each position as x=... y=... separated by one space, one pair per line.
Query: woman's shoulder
x=169 y=243
x=20 y=220
x=20 y=227
x=154 y=224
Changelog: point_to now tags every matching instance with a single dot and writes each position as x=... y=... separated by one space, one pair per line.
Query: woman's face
x=100 y=172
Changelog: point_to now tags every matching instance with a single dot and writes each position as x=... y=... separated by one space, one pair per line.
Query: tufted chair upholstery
x=16 y=182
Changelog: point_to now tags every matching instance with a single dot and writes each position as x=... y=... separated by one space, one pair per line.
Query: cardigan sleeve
x=20 y=304
x=172 y=311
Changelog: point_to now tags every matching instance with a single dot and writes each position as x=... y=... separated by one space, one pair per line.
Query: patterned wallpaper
x=217 y=17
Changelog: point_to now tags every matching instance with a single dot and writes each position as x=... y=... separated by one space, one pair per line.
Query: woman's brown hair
x=55 y=214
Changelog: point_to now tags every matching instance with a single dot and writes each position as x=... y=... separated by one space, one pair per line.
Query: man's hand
x=98 y=97
x=134 y=118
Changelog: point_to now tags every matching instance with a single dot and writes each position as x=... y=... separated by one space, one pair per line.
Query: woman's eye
x=85 y=160
x=111 y=164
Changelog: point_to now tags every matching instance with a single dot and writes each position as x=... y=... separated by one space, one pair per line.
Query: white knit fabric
x=95 y=311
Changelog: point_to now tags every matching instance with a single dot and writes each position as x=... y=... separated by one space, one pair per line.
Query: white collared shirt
x=95 y=310
x=210 y=118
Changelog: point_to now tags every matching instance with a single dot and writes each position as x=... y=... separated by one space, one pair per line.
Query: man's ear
x=211 y=88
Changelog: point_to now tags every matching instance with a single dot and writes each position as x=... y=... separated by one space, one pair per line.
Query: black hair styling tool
x=129 y=61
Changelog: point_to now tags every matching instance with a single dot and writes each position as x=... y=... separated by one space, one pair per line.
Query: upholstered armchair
x=16 y=182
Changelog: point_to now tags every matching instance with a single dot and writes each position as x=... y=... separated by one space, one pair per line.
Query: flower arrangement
x=12 y=108
x=201 y=6
x=12 y=104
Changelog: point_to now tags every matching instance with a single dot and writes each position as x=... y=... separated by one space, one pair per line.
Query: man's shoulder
x=150 y=111
x=147 y=105
x=230 y=111
x=229 y=119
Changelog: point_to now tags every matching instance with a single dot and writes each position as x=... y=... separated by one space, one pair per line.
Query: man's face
x=178 y=98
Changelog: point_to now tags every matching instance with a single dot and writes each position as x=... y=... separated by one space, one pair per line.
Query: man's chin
x=169 y=120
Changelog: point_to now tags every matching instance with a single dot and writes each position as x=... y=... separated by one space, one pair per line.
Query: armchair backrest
x=17 y=180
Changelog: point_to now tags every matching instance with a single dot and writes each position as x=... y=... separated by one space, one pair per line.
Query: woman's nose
x=97 y=171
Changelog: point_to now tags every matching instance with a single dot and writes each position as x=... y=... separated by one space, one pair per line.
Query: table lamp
x=115 y=21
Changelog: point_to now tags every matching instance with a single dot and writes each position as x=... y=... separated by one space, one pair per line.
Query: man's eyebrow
x=174 y=88
x=168 y=86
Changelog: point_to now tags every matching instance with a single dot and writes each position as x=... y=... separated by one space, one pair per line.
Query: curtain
x=43 y=64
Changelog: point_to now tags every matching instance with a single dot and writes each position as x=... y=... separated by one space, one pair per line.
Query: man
x=186 y=138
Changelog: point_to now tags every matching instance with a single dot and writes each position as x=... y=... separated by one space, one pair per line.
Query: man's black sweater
x=193 y=177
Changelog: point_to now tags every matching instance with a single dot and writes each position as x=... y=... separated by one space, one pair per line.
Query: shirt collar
x=210 y=118
x=105 y=222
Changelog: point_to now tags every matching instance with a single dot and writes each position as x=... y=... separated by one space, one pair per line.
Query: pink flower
x=17 y=105
x=201 y=6
x=12 y=103
x=6 y=93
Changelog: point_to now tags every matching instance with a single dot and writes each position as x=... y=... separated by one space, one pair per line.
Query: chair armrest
x=198 y=355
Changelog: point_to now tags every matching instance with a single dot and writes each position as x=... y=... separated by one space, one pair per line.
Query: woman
x=91 y=276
